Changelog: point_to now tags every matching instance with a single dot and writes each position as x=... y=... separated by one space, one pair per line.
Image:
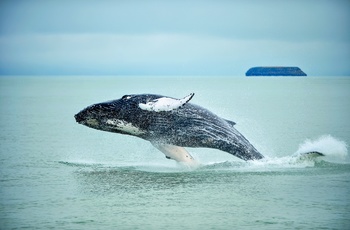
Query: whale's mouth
x=78 y=118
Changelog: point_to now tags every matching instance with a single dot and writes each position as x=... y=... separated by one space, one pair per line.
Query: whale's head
x=120 y=116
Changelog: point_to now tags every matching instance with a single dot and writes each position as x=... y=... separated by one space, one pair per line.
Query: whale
x=170 y=125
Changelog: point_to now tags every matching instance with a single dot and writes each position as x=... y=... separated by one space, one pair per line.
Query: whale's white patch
x=176 y=153
x=92 y=122
x=165 y=103
x=124 y=126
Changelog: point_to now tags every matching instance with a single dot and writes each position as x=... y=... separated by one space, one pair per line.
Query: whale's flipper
x=177 y=153
x=309 y=155
x=232 y=123
x=314 y=154
x=165 y=103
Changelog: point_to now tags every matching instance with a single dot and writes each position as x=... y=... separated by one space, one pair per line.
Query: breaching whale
x=169 y=124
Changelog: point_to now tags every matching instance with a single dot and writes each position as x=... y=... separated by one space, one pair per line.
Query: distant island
x=275 y=71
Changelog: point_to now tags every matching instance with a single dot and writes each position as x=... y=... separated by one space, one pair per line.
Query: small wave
x=126 y=166
x=263 y=165
x=81 y=164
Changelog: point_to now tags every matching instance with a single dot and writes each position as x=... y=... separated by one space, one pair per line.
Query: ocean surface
x=55 y=173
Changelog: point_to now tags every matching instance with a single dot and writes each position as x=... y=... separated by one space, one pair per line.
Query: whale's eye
x=126 y=97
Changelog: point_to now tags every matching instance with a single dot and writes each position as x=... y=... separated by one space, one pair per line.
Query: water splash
x=334 y=150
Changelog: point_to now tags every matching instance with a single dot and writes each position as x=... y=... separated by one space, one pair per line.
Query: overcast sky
x=173 y=37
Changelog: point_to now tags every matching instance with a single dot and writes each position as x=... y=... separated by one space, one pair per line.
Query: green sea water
x=55 y=173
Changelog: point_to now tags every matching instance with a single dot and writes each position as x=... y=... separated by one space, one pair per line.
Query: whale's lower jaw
x=124 y=126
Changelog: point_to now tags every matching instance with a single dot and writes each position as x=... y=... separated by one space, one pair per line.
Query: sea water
x=55 y=173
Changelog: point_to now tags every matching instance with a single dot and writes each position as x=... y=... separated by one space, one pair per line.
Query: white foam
x=334 y=150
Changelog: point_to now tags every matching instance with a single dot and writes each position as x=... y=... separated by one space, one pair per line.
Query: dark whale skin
x=187 y=126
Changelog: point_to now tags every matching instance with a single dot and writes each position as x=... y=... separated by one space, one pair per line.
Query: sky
x=180 y=37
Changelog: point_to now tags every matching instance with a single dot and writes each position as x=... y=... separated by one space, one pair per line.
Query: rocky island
x=275 y=71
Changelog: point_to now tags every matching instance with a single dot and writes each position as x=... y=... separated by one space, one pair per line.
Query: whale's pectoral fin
x=176 y=153
x=186 y=99
x=314 y=154
x=232 y=123
x=309 y=155
x=164 y=104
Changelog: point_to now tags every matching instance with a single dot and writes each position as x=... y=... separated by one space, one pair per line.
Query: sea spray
x=334 y=150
